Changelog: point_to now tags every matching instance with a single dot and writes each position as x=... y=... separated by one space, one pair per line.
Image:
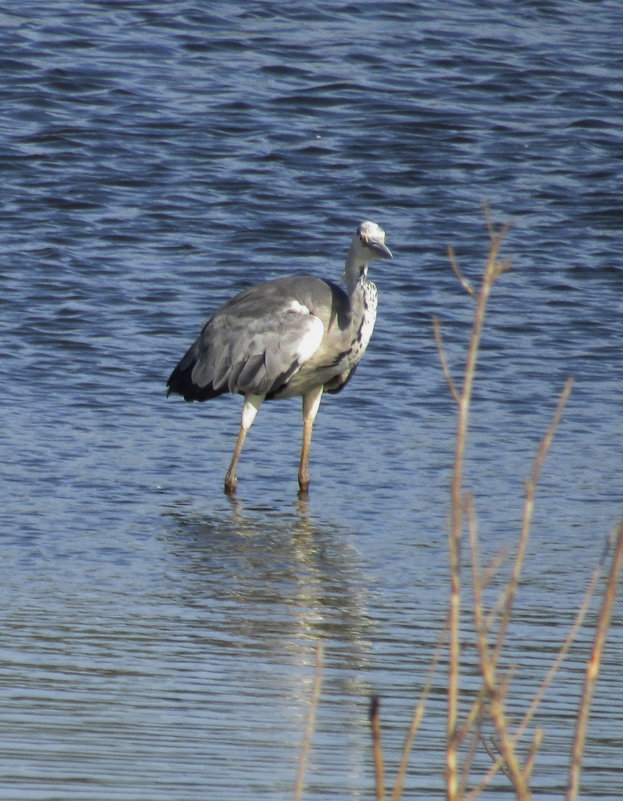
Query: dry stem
x=311 y=721
x=493 y=693
x=531 y=486
x=493 y=269
x=592 y=668
x=379 y=772
x=416 y=719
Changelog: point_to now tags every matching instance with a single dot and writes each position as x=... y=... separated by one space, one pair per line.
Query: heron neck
x=355 y=273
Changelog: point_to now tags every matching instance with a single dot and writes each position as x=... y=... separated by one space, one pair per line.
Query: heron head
x=369 y=242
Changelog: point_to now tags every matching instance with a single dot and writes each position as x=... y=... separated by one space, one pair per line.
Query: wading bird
x=299 y=335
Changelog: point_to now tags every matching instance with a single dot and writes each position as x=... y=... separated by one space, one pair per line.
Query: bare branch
x=564 y=649
x=592 y=668
x=463 y=280
x=531 y=487
x=418 y=714
x=443 y=359
x=534 y=750
x=456 y=519
x=377 y=750
x=311 y=721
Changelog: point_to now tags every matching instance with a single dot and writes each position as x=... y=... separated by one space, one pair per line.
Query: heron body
x=299 y=335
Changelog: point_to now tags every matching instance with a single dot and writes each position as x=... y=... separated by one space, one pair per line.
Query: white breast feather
x=297 y=307
x=310 y=343
x=312 y=338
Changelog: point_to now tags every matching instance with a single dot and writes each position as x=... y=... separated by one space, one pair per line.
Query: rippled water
x=158 y=641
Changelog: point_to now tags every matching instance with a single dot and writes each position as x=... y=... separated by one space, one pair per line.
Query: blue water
x=158 y=641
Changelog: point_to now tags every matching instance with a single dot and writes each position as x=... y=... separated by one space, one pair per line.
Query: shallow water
x=158 y=641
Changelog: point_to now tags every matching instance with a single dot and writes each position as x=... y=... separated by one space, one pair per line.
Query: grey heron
x=299 y=335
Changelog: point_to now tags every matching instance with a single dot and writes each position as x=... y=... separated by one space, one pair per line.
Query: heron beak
x=380 y=248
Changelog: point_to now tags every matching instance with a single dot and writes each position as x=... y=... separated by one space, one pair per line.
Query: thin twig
x=592 y=668
x=443 y=359
x=487 y=212
x=475 y=737
x=379 y=772
x=474 y=717
x=534 y=750
x=564 y=649
x=494 y=566
x=481 y=631
x=496 y=235
x=490 y=661
x=575 y=767
x=531 y=487
x=491 y=272
x=455 y=268
x=515 y=772
x=418 y=714
x=309 y=728
x=493 y=751
x=496 y=692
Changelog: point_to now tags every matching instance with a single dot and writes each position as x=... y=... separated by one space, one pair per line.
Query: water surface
x=158 y=641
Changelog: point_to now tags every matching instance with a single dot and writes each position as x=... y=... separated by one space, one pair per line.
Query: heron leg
x=311 y=402
x=251 y=405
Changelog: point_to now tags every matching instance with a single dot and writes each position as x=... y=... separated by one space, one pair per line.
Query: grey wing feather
x=256 y=355
x=260 y=338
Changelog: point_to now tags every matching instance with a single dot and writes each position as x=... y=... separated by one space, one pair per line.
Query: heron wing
x=255 y=343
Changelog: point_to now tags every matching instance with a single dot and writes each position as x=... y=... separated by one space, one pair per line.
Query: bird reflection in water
x=284 y=579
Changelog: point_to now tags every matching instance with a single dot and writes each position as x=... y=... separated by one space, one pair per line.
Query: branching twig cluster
x=491 y=625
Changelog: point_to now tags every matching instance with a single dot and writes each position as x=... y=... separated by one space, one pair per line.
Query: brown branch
x=515 y=773
x=495 y=691
x=418 y=714
x=377 y=750
x=489 y=660
x=476 y=737
x=531 y=486
x=493 y=751
x=592 y=668
x=455 y=268
x=309 y=728
x=534 y=750
x=443 y=359
x=491 y=272
x=564 y=649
